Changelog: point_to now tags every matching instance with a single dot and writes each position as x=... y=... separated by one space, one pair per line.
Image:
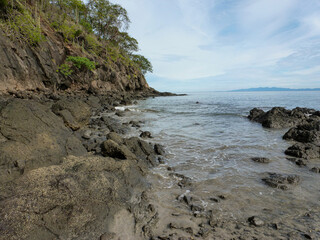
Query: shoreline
x=73 y=191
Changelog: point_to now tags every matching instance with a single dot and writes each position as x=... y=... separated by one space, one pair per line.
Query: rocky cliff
x=30 y=67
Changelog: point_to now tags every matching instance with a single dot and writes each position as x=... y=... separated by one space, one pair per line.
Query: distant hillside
x=274 y=89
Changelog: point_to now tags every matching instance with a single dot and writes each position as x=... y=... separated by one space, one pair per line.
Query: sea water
x=209 y=139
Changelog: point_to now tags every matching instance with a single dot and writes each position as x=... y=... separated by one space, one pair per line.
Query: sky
x=202 y=45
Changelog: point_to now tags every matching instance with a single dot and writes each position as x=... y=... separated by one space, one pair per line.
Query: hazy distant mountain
x=274 y=89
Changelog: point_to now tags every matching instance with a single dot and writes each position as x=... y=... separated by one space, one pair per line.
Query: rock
x=305 y=133
x=66 y=201
x=115 y=137
x=135 y=124
x=279 y=117
x=36 y=137
x=112 y=149
x=120 y=113
x=315 y=170
x=196 y=208
x=300 y=162
x=108 y=236
x=261 y=160
x=142 y=150
x=145 y=134
x=255 y=221
x=213 y=199
x=281 y=181
x=159 y=149
x=74 y=112
x=87 y=134
x=187 y=199
x=306 y=151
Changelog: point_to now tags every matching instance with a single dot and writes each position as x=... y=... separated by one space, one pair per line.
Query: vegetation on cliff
x=98 y=30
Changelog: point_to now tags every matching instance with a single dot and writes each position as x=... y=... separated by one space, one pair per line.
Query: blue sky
x=200 y=45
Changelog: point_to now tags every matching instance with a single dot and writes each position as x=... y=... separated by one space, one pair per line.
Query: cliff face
x=25 y=67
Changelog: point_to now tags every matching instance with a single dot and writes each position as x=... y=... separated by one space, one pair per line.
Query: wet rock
x=112 y=149
x=213 y=199
x=120 y=113
x=142 y=150
x=300 y=162
x=304 y=150
x=261 y=160
x=159 y=149
x=279 y=117
x=281 y=181
x=183 y=180
x=315 y=170
x=161 y=160
x=305 y=133
x=145 y=134
x=255 y=221
x=196 y=208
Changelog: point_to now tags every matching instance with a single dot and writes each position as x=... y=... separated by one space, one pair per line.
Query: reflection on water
x=212 y=142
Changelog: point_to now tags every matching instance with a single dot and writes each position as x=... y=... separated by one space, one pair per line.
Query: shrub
x=25 y=24
x=70 y=31
x=3 y=5
x=82 y=62
x=92 y=43
x=65 y=70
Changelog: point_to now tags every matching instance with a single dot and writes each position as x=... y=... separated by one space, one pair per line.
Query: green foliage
x=21 y=25
x=3 y=5
x=86 y=25
x=92 y=43
x=142 y=62
x=65 y=70
x=82 y=63
x=127 y=43
x=98 y=27
x=107 y=18
x=70 y=31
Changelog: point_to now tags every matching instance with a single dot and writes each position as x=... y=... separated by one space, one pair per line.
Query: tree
x=143 y=63
x=107 y=19
x=126 y=43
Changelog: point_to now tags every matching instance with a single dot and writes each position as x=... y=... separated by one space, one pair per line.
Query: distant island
x=274 y=89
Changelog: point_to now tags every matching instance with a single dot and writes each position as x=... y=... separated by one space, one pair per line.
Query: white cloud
x=235 y=39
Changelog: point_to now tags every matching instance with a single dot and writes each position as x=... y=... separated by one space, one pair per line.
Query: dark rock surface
x=146 y=134
x=304 y=126
x=32 y=137
x=261 y=160
x=52 y=188
x=281 y=181
x=279 y=117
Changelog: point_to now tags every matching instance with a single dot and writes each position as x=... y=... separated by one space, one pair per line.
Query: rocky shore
x=68 y=171
x=304 y=132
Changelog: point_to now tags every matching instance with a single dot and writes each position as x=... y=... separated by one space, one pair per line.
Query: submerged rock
x=281 y=181
x=261 y=160
x=146 y=134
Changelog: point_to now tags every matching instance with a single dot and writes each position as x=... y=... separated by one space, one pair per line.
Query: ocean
x=209 y=139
